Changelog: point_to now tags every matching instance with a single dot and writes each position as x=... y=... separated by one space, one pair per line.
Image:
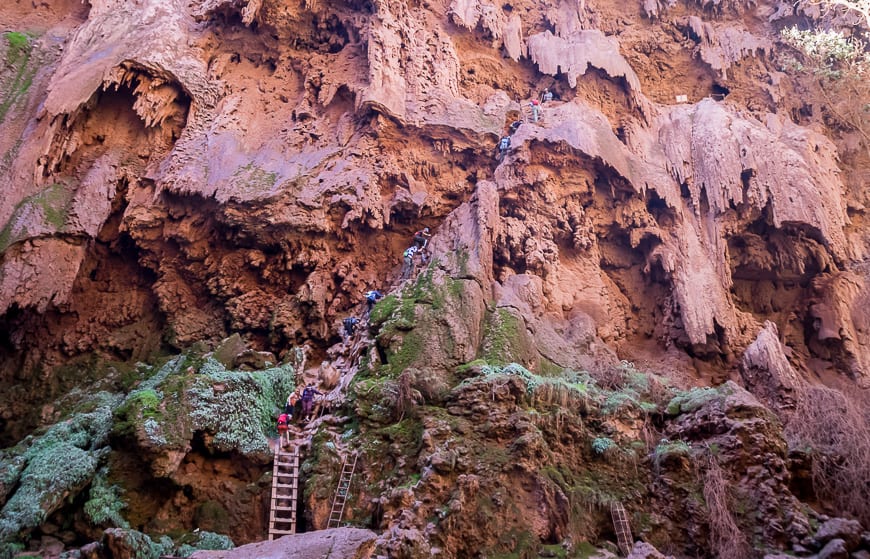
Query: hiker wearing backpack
x=308 y=400
x=536 y=107
x=421 y=238
x=290 y=406
x=408 y=265
x=373 y=297
x=547 y=96
x=503 y=146
x=284 y=429
x=350 y=325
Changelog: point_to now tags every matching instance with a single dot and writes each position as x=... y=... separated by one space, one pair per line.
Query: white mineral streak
x=791 y=168
x=574 y=55
x=722 y=46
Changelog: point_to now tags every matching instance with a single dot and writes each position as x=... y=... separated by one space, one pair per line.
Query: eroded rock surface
x=177 y=172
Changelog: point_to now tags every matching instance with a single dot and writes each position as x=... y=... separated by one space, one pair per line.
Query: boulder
x=840 y=528
x=643 y=550
x=336 y=543
x=834 y=549
x=228 y=350
x=255 y=360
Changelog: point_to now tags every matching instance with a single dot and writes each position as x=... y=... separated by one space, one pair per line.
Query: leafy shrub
x=104 y=504
x=600 y=445
x=238 y=406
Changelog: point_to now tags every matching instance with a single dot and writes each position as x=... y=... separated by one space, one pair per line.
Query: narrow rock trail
x=346 y=358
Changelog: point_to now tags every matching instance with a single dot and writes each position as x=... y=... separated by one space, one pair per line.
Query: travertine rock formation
x=176 y=172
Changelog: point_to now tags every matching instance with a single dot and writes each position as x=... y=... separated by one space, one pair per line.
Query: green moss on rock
x=19 y=48
x=58 y=465
x=51 y=205
x=204 y=541
x=690 y=400
x=238 y=406
x=105 y=503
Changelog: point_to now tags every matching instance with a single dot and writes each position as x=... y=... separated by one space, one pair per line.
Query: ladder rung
x=283 y=508
x=292 y=486
x=282 y=531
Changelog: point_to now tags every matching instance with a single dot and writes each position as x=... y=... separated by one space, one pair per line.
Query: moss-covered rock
x=105 y=503
x=57 y=465
x=131 y=543
x=505 y=339
x=203 y=541
x=235 y=409
x=433 y=324
x=20 y=68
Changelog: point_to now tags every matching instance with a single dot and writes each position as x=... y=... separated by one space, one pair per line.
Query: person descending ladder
x=285 y=484
x=341 y=491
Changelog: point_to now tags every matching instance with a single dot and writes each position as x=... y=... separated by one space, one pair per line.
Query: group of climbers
x=421 y=241
x=504 y=144
x=304 y=397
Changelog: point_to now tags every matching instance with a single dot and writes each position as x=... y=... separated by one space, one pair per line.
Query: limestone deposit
x=658 y=297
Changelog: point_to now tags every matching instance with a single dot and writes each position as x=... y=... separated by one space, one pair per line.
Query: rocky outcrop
x=337 y=543
x=177 y=172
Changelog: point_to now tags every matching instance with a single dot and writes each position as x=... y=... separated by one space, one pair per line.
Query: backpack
x=534 y=102
x=504 y=144
x=350 y=322
x=307 y=394
x=410 y=252
x=372 y=296
x=282 y=420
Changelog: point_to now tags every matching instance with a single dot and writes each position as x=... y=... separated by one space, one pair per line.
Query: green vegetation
x=204 y=541
x=58 y=464
x=105 y=503
x=838 y=65
x=406 y=322
x=600 y=445
x=690 y=400
x=238 y=406
x=253 y=179
x=19 y=47
x=384 y=309
x=50 y=205
x=502 y=342
x=666 y=450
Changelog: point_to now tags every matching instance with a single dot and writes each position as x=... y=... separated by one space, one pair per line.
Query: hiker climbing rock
x=536 y=107
x=421 y=241
x=350 y=325
x=503 y=146
x=421 y=238
x=308 y=400
x=373 y=297
x=547 y=96
x=290 y=406
x=283 y=429
x=408 y=265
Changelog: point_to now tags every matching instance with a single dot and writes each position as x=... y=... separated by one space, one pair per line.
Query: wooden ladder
x=341 y=491
x=620 y=525
x=285 y=489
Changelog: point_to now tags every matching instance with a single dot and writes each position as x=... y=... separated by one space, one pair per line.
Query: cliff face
x=175 y=172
